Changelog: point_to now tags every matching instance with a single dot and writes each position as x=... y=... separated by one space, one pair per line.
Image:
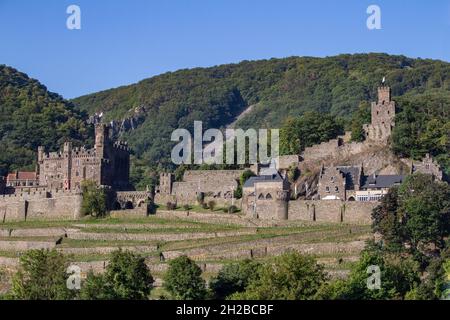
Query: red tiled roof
x=21 y=175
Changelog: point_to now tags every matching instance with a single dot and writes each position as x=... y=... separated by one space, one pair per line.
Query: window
x=268 y=196
x=327 y=189
x=336 y=189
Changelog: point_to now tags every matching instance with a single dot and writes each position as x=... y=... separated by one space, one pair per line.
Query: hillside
x=31 y=116
x=277 y=89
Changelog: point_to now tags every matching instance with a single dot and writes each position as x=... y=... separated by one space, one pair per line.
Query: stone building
x=374 y=187
x=266 y=197
x=383 y=114
x=217 y=185
x=339 y=183
x=348 y=183
x=22 y=179
x=107 y=164
x=428 y=166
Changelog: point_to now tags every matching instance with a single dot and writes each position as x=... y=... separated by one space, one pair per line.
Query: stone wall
x=332 y=211
x=42 y=205
x=162 y=199
x=217 y=184
x=138 y=212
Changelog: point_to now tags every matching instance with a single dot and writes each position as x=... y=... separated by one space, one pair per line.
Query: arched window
x=261 y=196
x=336 y=189
x=268 y=196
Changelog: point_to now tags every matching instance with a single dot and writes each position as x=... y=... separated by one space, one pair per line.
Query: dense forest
x=279 y=92
x=31 y=116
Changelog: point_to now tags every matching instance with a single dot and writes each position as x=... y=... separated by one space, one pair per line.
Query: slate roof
x=351 y=174
x=381 y=181
x=263 y=178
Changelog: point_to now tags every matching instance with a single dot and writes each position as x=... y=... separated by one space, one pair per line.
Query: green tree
x=94 y=199
x=291 y=276
x=233 y=278
x=183 y=280
x=416 y=213
x=386 y=220
x=398 y=276
x=424 y=207
x=359 y=118
x=42 y=276
x=309 y=129
x=127 y=277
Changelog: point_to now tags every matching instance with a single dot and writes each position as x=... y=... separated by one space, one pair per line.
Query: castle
x=342 y=193
x=323 y=192
x=54 y=189
x=107 y=164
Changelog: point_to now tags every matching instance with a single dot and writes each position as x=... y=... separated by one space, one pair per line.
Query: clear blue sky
x=122 y=42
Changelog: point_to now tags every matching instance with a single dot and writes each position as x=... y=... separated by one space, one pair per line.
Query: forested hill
x=31 y=116
x=277 y=89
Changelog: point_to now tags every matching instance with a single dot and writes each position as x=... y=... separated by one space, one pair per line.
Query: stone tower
x=165 y=183
x=101 y=139
x=67 y=165
x=383 y=114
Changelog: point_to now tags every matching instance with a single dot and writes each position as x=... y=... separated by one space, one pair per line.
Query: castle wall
x=332 y=211
x=217 y=185
x=40 y=206
x=192 y=200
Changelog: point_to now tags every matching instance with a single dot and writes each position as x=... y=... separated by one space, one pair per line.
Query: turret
x=67 y=148
x=101 y=138
x=384 y=94
x=40 y=154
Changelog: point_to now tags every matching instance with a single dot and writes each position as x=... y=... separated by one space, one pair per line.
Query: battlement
x=384 y=94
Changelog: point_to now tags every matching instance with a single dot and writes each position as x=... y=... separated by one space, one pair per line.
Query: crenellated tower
x=383 y=117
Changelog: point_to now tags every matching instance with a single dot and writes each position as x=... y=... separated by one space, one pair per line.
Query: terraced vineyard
x=210 y=239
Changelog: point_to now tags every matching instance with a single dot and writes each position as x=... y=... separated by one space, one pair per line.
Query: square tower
x=383 y=115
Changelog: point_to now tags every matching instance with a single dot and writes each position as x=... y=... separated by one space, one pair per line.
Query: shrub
x=171 y=206
x=200 y=198
x=127 y=277
x=186 y=207
x=42 y=276
x=232 y=209
x=291 y=276
x=183 y=280
x=94 y=199
x=204 y=206
x=212 y=205
x=233 y=278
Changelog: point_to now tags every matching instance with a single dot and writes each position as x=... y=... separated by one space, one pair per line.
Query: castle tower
x=101 y=139
x=383 y=114
x=384 y=95
x=67 y=165
x=165 y=183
